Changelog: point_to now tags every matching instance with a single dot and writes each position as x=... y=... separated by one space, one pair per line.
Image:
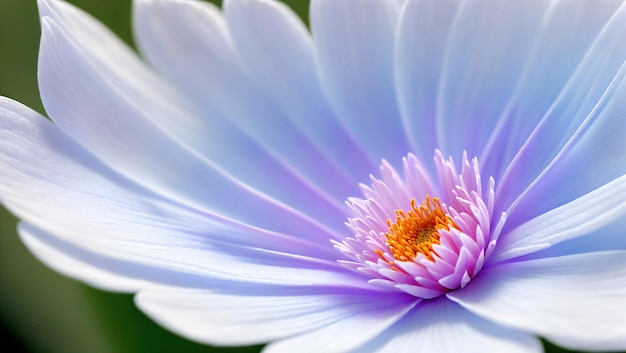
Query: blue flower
x=426 y=175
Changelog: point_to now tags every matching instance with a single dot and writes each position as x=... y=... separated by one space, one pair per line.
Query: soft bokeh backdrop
x=40 y=310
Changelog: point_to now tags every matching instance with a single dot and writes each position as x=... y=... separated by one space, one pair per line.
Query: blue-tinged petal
x=487 y=48
x=576 y=147
x=576 y=301
x=353 y=329
x=89 y=211
x=99 y=109
x=209 y=68
x=567 y=31
x=422 y=35
x=97 y=270
x=259 y=140
x=592 y=157
x=252 y=315
x=276 y=52
x=354 y=51
x=606 y=238
x=444 y=327
x=132 y=265
x=581 y=217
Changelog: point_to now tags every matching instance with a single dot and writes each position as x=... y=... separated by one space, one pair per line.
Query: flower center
x=417 y=231
x=432 y=248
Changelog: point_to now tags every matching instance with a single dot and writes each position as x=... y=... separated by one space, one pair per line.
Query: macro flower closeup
x=397 y=176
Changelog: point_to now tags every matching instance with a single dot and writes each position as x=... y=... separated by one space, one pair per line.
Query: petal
x=567 y=32
x=276 y=52
x=609 y=237
x=354 y=51
x=422 y=34
x=444 y=327
x=209 y=67
x=269 y=314
x=98 y=107
x=587 y=117
x=265 y=139
x=47 y=175
x=207 y=133
x=488 y=45
x=94 y=269
x=53 y=184
x=350 y=332
x=591 y=158
x=108 y=265
x=576 y=301
x=580 y=217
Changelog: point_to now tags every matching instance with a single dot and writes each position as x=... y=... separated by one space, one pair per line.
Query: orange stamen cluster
x=417 y=231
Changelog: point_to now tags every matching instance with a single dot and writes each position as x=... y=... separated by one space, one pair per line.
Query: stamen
x=417 y=231
x=429 y=248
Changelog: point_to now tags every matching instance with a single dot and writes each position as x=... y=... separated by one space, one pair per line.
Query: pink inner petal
x=461 y=251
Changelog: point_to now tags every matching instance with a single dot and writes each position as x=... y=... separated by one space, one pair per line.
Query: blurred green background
x=40 y=310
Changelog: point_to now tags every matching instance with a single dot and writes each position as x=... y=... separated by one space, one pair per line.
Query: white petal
x=350 y=332
x=444 y=327
x=130 y=265
x=50 y=182
x=567 y=32
x=576 y=301
x=242 y=316
x=591 y=158
x=609 y=237
x=276 y=51
x=422 y=35
x=488 y=46
x=587 y=117
x=114 y=122
x=49 y=176
x=258 y=140
x=94 y=269
x=209 y=66
x=109 y=265
x=354 y=49
x=578 y=218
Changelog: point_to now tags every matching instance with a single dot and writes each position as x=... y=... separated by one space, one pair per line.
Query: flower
x=213 y=181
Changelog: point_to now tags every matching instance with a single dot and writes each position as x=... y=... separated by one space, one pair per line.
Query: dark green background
x=41 y=311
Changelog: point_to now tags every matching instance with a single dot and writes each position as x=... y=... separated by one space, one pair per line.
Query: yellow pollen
x=417 y=231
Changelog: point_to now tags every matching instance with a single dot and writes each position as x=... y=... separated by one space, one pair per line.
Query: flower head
x=223 y=178
x=431 y=248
